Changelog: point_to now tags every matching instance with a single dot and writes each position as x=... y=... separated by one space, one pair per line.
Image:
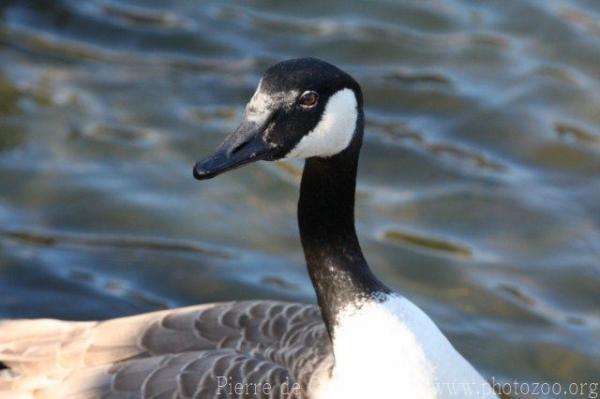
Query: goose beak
x=244 y=145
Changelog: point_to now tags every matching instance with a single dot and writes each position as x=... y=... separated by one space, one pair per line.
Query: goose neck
x=336 y=264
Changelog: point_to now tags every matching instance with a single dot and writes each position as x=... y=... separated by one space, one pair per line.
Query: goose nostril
x=239 y=147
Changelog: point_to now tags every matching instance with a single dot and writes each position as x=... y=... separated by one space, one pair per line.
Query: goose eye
x=309 y=99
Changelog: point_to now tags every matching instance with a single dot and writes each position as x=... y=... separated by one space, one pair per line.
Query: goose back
x=191 y=352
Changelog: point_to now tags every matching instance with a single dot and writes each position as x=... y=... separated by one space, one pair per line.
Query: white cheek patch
x=334 y=131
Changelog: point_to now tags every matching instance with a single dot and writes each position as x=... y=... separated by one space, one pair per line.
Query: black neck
x=337 y=267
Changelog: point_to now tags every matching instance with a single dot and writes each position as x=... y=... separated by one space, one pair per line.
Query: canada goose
x=363 y=341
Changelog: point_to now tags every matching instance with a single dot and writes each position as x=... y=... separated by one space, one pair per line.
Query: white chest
x=394 y=350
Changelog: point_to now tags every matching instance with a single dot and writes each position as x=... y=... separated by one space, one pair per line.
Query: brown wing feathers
x=183 y=353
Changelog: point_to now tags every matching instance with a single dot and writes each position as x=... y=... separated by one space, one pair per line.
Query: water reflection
x=478 y=188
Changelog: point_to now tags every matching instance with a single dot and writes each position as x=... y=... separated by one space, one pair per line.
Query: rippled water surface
x=479 y=191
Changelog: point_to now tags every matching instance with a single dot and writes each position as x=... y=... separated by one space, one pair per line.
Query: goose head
x=302 y=108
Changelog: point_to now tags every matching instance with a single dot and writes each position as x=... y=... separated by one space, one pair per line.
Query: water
x=479 y=191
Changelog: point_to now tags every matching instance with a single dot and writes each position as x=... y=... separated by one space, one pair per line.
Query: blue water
x=479 y=184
